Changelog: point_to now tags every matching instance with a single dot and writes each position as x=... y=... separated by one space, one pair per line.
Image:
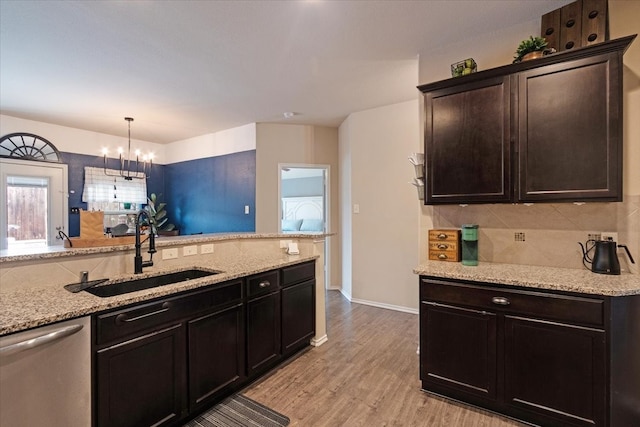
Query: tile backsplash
x=551 y=232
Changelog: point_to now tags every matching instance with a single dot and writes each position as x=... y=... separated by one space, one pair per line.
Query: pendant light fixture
x=128 y=173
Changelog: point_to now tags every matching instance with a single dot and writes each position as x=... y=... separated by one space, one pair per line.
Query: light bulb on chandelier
x=128 y=173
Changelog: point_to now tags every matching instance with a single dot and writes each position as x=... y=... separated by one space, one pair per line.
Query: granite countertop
x=164 y=241
x=529 y=276
x=29 y=308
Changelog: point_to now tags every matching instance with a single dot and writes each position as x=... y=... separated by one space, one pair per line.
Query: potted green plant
x=158 y=217
x=531 y=48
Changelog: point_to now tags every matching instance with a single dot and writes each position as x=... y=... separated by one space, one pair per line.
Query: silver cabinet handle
x=442 y=236
x=120 y=318
x=500 y=301
x=264 y=284
x=443 y=256
x=40 y=340
x=442 y=246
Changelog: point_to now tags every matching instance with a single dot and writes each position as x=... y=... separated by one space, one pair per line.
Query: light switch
x=190 y=250
x=206 y=249
x=170 y=253
x=246 y=209
x=356 y=208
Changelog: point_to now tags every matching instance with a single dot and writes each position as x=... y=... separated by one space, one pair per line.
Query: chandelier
x=128 y=172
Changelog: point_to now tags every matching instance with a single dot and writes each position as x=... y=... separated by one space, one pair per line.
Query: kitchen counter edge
x=58 y=251
x=536 y=277
x=31 y=308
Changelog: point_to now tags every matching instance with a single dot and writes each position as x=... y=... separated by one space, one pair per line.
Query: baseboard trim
x=317 y=342
x=385 y=306
x=344 y=294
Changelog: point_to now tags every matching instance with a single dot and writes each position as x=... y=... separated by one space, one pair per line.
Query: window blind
x=99 y=187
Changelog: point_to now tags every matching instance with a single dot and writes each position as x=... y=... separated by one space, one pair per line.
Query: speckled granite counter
x=549 y=278
x=164 y=241
x=29 y=308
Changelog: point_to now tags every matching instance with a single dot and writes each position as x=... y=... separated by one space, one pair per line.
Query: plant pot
x=533 y=55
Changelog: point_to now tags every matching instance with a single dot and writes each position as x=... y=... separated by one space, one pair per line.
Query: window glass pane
x=27 y=213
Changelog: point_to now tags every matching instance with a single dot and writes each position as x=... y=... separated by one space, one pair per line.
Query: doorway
x=34 y=204
x=303 y=191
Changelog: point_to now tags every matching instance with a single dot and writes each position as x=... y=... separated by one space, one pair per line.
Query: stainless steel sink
x=148 y=282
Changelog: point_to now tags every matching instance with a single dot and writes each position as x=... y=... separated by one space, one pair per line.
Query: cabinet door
x=216 y=354
x=570 y=131
x=458 y=350
x=555 y=370
x=263 y=332
x=467 y=141
x=142 y=382
x=298 y=316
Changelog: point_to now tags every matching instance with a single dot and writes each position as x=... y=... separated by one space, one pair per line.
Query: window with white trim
x=117 y=197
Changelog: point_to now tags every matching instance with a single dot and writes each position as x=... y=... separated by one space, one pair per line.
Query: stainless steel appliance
x=45 y=376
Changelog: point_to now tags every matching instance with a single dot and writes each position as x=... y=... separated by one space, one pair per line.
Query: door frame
x=64 y=195
x=327 y=208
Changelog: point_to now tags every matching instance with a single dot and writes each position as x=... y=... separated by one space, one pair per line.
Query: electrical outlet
x=190 y=250
x=609 y=235
x=206 y=249
x=170 y=253
x=284 y=244
x=594 y=236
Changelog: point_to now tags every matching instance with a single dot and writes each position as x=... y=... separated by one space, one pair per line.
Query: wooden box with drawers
x=444 y=245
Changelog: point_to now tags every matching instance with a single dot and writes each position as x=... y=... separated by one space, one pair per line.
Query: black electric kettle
x=605 y=259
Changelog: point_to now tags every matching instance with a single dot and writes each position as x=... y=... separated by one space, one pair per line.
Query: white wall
x=374 y=146
x=234 y=140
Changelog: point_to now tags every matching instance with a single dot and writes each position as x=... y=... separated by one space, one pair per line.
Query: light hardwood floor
x=365 y=375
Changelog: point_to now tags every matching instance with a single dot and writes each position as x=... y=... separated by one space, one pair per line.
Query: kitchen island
x=552 y=346
x=32 y=290
x=161 y=355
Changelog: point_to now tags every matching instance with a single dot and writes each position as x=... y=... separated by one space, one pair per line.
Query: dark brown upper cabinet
x=546 y=130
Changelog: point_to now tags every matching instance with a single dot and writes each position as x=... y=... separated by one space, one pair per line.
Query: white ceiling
x=188 y=68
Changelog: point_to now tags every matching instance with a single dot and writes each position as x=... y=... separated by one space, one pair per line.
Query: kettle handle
x=628 y=253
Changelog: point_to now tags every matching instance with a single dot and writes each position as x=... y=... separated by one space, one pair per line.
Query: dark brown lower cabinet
x=298 y=315
x=163 y=361
x=263 y=332
x=216 y=354
x=545 y=357
x=141 y=382
x=461 y=350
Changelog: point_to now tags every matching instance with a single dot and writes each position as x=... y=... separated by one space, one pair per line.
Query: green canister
x=469 y=244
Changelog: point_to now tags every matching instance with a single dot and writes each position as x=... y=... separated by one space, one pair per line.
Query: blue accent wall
x=76 y=164
x=209 y=195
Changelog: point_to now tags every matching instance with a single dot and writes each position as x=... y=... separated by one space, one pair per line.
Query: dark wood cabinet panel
x=142 y=382
x=263 y=332
x=216 y=354
x=157 y=363
x=298 y=315
x=468 y=142
x=569 y=131
x=459 y=348
x=546 y=130
x=555 y=369
x=545 y=357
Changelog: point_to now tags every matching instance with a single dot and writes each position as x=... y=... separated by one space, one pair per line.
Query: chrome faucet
x=138 y=264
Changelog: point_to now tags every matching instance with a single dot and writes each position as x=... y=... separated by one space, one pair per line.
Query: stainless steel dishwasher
x=45 y=376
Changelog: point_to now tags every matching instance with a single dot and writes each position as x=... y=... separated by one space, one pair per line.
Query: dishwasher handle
x=40 y=340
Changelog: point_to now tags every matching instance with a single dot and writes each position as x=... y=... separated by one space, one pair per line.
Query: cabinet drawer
x=450 y=255
x=444 y=235
x=298 y=273
x=262 y=284
x=220 y=295
x=120 y=324
x=544 y=305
